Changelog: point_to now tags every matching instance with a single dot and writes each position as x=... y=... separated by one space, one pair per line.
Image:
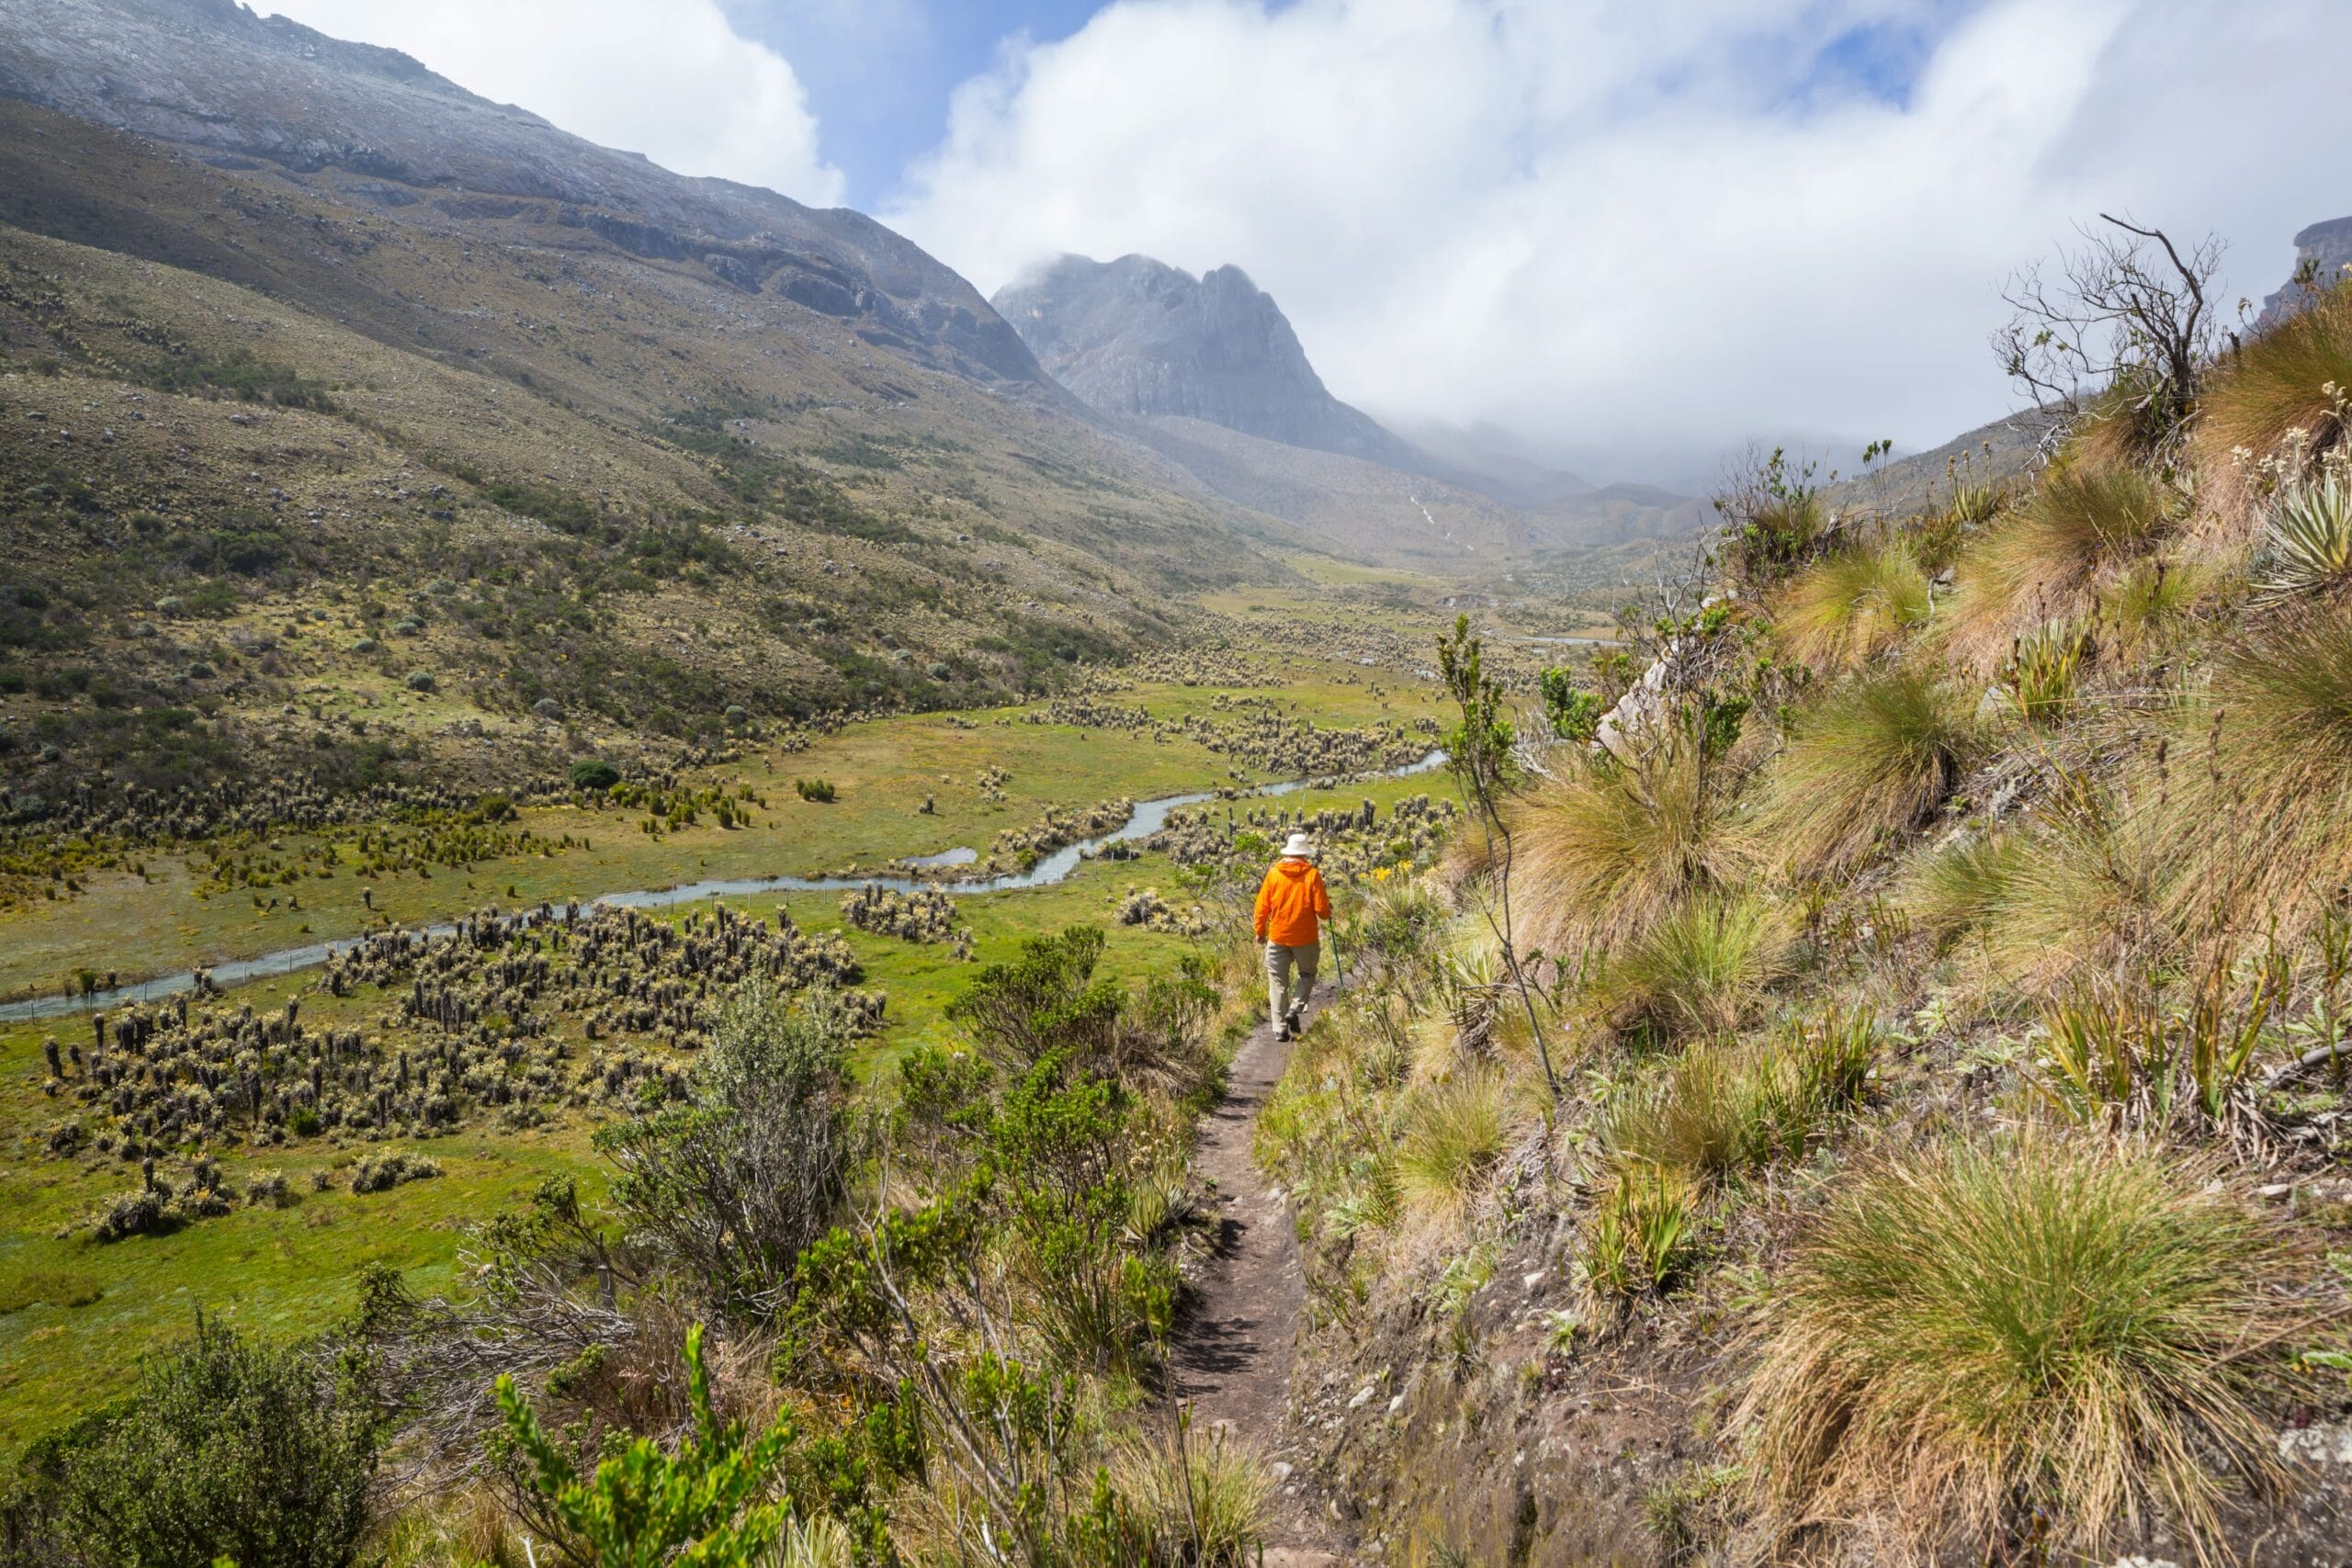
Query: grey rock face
x=241 y=91
x=1138 y=338
x=2325 y=249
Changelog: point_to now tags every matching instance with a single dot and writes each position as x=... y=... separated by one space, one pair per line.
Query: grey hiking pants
x=1280 y=963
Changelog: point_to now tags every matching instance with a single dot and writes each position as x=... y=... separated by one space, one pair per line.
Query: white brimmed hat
x=1299 y=845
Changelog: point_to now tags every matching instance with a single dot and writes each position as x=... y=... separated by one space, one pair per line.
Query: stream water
x=1150 y=818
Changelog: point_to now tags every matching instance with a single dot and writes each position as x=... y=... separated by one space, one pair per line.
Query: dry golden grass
x=1872 y=759
x=1606 y=849
x=1453 y=1134
x=2084 y=522
x=1848 y=607
x=2258 y=780
x=1974 y=1333
x=2271 y=396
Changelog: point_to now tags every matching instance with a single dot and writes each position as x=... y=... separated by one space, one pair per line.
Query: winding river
x=1150 y=818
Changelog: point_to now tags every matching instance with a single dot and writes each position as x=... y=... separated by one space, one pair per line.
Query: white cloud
x=673 y=80
x=1635 y=236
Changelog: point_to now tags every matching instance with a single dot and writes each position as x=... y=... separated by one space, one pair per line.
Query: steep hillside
x=595 y=429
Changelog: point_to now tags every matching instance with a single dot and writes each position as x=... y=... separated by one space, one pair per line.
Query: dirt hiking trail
x=1233 y=1348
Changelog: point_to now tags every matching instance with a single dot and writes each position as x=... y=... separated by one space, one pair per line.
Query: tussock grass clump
x=2081 y=522
x=2261 y=778
x=1851 y=606
x=1697 y=971
x=1872 y=759
x=1204 y=1502
x=1605 y=852
x=2289 y=383
x=1454 y=1133
x=1975 y=1331
x=1720 y=1109
x=2085 y=888
x=1961 y=883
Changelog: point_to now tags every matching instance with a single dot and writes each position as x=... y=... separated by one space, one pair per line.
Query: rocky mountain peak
x=1136 y=338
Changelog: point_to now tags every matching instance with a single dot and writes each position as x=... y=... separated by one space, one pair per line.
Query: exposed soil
x=1238 y=1340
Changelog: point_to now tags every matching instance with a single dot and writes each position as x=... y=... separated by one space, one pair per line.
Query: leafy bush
x=1573 y=713
x=594 y=775
x=730 y=1186
x=1046 y=1003
x=225 y=1448
x=1976 y=1332
x=820 y=790
x=419 y=680
x=711 y=1504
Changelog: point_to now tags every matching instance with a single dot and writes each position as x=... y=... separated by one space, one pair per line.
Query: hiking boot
x=1281 y=1029
x=1297 y=1023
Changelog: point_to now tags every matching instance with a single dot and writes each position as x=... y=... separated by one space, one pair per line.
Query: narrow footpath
x=1233 y=1349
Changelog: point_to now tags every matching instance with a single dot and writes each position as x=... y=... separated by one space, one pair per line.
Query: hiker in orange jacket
x=1291 y=905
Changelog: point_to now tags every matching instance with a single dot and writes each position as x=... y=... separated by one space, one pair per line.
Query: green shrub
x=712 y=1503
x=1975 y=1333
x=820 y=790
x=594 y=777
x=732 y=1186
x=225 y=1448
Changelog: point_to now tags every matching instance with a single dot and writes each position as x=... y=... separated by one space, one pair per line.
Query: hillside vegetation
x=543 y=489
x=1876 y=1094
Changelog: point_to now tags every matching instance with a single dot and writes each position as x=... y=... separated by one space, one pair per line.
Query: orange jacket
x=1290 y=901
